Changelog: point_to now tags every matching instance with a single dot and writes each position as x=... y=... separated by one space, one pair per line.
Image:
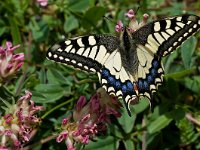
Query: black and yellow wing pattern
x=128 y=66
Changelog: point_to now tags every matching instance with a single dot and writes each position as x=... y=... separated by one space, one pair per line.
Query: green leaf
x=92 y=16
x=160 y=123
x=193 y=83
x=187 y=50
x=24 y=5
x=129 y=144
x=116 y=130
x=48 y=88
x=176 y=9
x=107 y=143
x=163 y=120
x=2 y=30
x=177 y=114
x=15 y=32
x=153 y=141
x=180 y=74
x=55 y=76
x=38 y=97
x=169 y=59
x=70 y=24
x=45 y=93
x=39 y=30
x=79 y=6
x=140 y=107
x=127 y=122
x=173 y=88
x=42 y=75
x=5 y=93
x=82 y=88
x=82 y=75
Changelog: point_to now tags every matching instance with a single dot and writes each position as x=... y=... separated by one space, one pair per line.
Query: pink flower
x=43 y=2
x=144 y=21
x=10 y=63
x=89 y=118
x=119 y=26
x=133 y=24
x=18 y=122
x=130 y=14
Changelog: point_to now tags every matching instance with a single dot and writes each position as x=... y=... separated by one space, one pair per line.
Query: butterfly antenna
x=107 y=18
x=137 y=10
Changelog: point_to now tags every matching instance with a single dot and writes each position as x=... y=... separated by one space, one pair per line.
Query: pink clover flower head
x=42 y=2
x=3 y=148
x=89 y=118
x=130 y=14
x=10 y=63
x=144 y=21
x=80 y=104
x=106 y=103
x=133 y=24
x=119 y=26
x=18 y=122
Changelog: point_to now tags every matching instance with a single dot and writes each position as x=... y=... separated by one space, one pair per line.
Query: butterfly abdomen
x=128 y=52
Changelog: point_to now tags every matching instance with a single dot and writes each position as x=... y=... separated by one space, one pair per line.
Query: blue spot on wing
x=143 y=84
x=140 y=84
x=124 y=88
x=111 y=80
x=154 y=72
x=105 y=73
x=129 y=86
x=118 y=85
x=146 y=85
x=155 y=64
x=150 y=79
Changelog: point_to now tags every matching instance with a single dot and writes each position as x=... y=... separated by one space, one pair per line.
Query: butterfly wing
x=87 y=53
x=158 y=39
x=100 y=54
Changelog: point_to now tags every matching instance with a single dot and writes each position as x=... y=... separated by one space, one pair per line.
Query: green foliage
x=108 y=142
x=57 y=87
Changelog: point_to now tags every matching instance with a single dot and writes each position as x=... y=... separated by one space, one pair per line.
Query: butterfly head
x=125 y=32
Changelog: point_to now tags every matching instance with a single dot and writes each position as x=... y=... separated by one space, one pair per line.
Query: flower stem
x=144 y=135
x=57 y=107
x=192 y=119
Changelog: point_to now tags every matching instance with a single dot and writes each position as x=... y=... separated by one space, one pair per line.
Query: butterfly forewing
x=163 y=36
x=88 y=53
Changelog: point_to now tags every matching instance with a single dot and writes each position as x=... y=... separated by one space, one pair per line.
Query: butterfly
x=128 y=65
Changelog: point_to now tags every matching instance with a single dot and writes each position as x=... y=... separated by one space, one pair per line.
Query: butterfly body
x=128 y=65
x=127 y=50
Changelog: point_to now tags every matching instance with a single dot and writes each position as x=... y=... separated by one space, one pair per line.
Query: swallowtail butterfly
x=129 y=65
